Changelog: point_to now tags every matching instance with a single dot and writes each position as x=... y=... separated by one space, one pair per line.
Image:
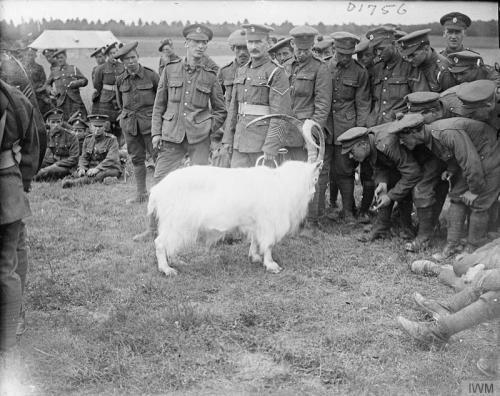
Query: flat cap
x=256 y=32
x=455 y=20
x=97 y=51
x=350 y=137
x=408 y=122
x=76 y=115
x=323 y=42
x=59 y=52
x=237 y=38
x=380 y=34
x=164 y=42
x=97 y=119
x=362 y=46
x=412 y=41
x=399 y=33
x=109 y=47
x=421 y=101
x=303 y=36
x=197 y=32
x=477 y=94
x=282 y=42
x=53 y=114
x=48 y=51
x=126 y=49
x=464 y=60
x=345 y=42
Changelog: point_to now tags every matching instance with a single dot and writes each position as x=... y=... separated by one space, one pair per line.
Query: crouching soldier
x=100 y=157
x=62 y=152
x=395 y=172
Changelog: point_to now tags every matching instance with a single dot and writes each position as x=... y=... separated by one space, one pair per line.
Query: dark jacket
x=106 y=74
x=62 y=149
x=61 y=77
x=101 y=153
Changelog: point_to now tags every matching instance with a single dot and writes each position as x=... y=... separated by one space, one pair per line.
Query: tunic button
x=383 y=113
x=184 y=114
x=185 y=104
x=189 y=82
x=187 y=92
x=384 y=102
x=384 y=90
x=246 y=90
x=248 y=78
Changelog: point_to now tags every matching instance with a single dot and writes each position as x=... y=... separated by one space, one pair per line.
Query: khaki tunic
x=104 y=81
x=62 y=149
x=101 y=153
x=61 y=77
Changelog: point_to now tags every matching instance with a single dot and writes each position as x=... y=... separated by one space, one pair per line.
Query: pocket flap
x=397 y=80
x=145 y=85
x=168 y=115
x=258 y=83
x=203 y=88
x=202 y=117
x=305 y=76
x=239 y=80
x=350 y=83
x=228 y=83
x=124 y=87
x=175 y=83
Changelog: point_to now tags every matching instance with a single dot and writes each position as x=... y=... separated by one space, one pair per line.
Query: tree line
x=32 y=29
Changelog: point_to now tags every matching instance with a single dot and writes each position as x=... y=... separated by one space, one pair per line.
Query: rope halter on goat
x=311 y=130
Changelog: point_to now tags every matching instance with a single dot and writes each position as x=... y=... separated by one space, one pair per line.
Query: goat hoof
x=169 y=271
x=273 y=268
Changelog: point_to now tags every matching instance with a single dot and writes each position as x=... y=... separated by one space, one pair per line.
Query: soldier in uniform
x=80 y=128
x=480 y=101
x=415 y=48
x=283 y=51
x=135 y=93
x=62 y=151
x=324 y=47
x=310 y=92
x=104 y=97
x=100 y=157
x=393 y=78
x=188 y=108
x=467 y=66
x=395 y=173
x=351 y=102
x=37 y=76
x=455 y=24
x=18 y=163
x=472 y=153
x=67 y=81
x=167 y=53
x=260 y=88
x=100 y=58
x=364 y=55
x=48 y=53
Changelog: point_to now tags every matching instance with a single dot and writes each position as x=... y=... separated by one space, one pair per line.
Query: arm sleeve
x=97 y=79
x=80 y=79
x=219 y=112
x=232 y=118
x=29 y=148
x=322 y=95
x=408 y=168
x=160 y=104
x=363 y=100
x=84 y=161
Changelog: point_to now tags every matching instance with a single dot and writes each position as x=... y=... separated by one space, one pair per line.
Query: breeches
x=137 y=146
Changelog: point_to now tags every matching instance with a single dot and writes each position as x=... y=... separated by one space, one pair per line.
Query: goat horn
x=309 y=128
x=291 y=119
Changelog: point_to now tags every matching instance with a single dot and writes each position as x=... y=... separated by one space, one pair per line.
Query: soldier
x=48 y=53
x=80 y=128
x=135 y=94
x=67 y=80
x=62 y=151
x=472 y=153
x=454 y=24
x=393 y=78
x=351 y=103
x=261 y=87
x=100 y=157
x=467 y=66
x=37 y=76
x=364 y=55
x=310 y=92
x=480 y=101
x=167 y=53
x=395 y=173
x=188 y=108
x=104 y=97
x=324 y=47
x=416 y=49
x=283 y=51
x=100 y=58
x=18 y=163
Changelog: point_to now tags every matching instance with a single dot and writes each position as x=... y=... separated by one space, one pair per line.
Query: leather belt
x=252 y=109
x=7 y=159
x=108 y=87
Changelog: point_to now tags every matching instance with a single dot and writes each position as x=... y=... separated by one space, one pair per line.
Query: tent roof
x=73 y=39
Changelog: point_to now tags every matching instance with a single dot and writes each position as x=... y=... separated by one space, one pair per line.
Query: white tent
x=73 y=39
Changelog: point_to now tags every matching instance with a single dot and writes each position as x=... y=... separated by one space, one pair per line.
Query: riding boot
x=425 y=230
x=140 y=180
x=456 y=218
x=478 y=227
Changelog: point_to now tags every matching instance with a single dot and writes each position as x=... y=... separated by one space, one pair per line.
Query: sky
x=297 y=12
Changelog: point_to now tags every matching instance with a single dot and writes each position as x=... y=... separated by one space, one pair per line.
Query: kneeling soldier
x=62 y=150
x=395 y=172
x=99 y=157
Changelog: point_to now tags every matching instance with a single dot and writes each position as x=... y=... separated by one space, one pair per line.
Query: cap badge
x=371 y=37
x=198 y=30
x=455 y=20
x=252 y=29
x=455 y=59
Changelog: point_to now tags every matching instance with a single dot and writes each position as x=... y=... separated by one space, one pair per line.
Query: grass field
x=103 y=320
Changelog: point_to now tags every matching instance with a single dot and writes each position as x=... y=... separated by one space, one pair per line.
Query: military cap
x=464 y=60
x=75 y=116
x=53 y=114
x=97 y=51
x=197 y=32
x=412 y=41
x=283 y=42
x=237 y=38
x=48 y=51
x=477 y=94
x=165 y=42
x=59 y=52
x=98 y=119
x=350 y=137
x=323 y=42
x=380 y=34
x=408 y=122
x=399 y=33
x=256 y=32
x=362 y=46
x=455 y=20
x=421 y=101
x=109 y=47
x=345 y=42
x=126 y=49
x=303 y=36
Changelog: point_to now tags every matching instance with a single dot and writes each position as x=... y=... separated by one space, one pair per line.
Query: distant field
x=220 y=52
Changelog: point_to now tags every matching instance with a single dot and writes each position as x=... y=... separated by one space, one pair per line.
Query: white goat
x=205 y=202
